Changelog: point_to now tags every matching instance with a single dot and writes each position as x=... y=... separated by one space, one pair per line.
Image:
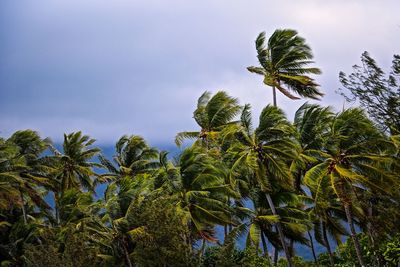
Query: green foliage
x=73 y=251
x=391 y=250
x=166 y=242
x=230 y=256
x=284 y=61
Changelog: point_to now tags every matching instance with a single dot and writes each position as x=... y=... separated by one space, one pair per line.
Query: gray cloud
x=120 y=67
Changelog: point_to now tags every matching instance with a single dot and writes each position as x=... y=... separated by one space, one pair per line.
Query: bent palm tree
x=212 y=115
x=73 y=168
x=264 y=152
x=35 y=174
x=284 y=64
x=133 y=157
x=201 y=193
x=352 y=152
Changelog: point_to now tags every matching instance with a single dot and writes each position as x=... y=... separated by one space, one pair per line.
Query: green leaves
x=284 y=60
x=212 y=115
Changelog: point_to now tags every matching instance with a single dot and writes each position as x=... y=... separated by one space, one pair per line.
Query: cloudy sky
x=118 y=67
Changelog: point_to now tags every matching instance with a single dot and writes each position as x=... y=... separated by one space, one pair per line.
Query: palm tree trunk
x=274 y=95
x=326 y=241
x=126 y=254
x=23 y=207
x=203 y=248
x=280 y=231
x=312 y=248
x=264 y=244
x=57 y=208
x=276 y=256
x=225 y=232
x=291 y=247
x=347 y=209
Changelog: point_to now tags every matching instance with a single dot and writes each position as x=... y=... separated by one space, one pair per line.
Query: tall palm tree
x=353 y=149
x=284 y=64
x=212 y=115
x=73 y=167
x=264 y=152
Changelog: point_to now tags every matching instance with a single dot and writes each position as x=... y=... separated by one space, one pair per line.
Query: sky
x=110 y=68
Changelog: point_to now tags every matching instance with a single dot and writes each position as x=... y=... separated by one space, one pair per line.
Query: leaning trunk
x=280 y=231
x=203 y=249
x=225 y=232
x=276 y=256
x=312 y=248
x=264 y=244
x=347 y=209
x=23 y=208
x=326 y=241
x=274 y=95
x=126 y=254
x=57 y=208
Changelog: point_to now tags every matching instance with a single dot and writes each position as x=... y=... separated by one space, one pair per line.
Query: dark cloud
x=116 y=67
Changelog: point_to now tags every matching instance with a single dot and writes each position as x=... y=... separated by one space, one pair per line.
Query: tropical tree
x=133 y=156
x=284 y=64
x=326 y=213
x=123 y=198
x=212 y=115
x=34 y=176
x=352 y=150
x=264 y=153
x=202 y=194
x=311 y=123
x=10 y=165
x=73 y=168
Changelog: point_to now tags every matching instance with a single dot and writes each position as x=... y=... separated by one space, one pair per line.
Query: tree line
x=326 y=177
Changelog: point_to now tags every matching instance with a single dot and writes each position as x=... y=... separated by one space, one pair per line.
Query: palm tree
x=35 y=175
x=212 y=115
x=353 y=149
x=284 y=64
x=133 y=157
x=312 y=125
x=326 y=213
x=72 y=168
x=264 y=152
x=201 y=192
x=123 y=197
x=10 y=166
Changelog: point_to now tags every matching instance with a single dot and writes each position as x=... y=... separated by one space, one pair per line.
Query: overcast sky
x=118 y=67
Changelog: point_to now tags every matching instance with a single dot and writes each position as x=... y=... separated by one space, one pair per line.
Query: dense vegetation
x=326 y=177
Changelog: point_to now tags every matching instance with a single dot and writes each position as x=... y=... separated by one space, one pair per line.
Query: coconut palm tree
x=264 y=152
x=10 y=166
x=326 y=214
x=133 y=156
x=201 y=192
x=284 y=64
x=212 y=115
x=35 y=175
x=123 y=198
x=73 y=168
x=353 y=149
x=311 y=123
